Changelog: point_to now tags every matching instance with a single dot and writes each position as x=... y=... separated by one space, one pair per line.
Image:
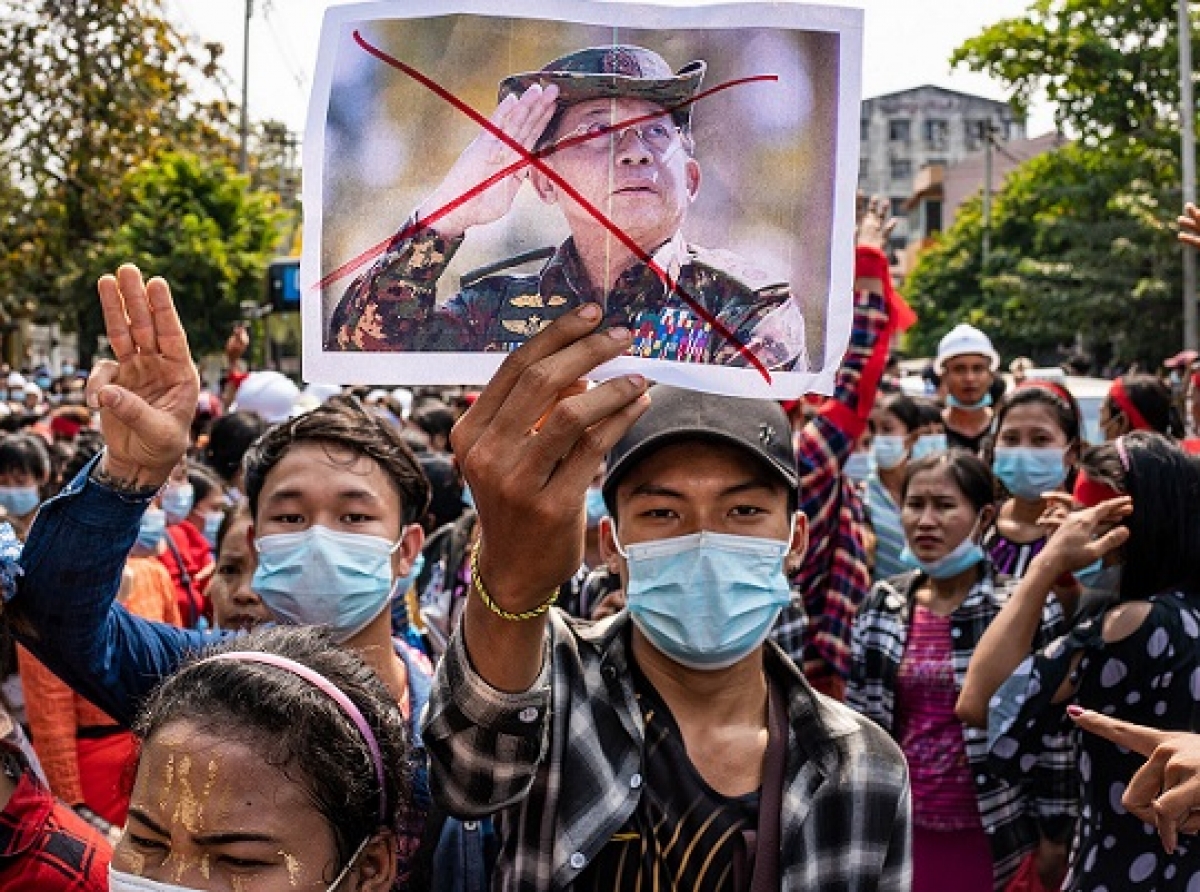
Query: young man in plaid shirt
x=671 y=743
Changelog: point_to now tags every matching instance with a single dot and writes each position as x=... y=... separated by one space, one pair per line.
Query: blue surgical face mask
x=212 y=527
x=320 y=577
x=1028 y=471
x=20 y=500
x=596 y=509
x=177 y=500
x=858 y=466
x=706 y=600
x=928 y=444
x=969 y=407
x=152 y=528
x=961 y=558
x=888 y=451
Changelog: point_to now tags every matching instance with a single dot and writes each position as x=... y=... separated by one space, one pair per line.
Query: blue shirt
x=889 y=533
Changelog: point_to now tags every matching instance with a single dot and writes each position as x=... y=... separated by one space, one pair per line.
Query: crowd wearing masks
x=545 y=636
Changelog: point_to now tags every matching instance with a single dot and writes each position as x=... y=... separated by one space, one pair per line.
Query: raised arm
x=393 y=304
x=63 y=608
x=1083 y=538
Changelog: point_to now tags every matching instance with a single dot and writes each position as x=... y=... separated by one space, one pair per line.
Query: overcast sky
x=907 y=43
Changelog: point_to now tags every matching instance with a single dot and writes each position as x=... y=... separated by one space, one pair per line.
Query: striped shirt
x=884 y=514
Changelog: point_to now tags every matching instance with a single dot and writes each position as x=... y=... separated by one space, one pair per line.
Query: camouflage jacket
x=393 y=306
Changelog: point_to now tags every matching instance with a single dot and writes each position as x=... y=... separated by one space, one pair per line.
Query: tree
x=200 y=225
x=1110 y=67
x=1083 y=245
x=88 y=90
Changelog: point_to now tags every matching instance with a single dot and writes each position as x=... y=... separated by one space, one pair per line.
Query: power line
x=295 y=69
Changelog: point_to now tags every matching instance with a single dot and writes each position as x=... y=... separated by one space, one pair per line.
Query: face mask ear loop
x=617 y=542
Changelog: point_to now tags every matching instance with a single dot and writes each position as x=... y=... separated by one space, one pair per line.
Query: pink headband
x=316 y=679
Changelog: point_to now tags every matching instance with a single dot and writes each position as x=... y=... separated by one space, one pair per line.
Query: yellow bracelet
x=491 y=605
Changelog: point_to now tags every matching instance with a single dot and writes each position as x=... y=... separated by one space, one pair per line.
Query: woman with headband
x=1135 y=655
x=1139 y=403
x=1036 y=446
x=274 y=762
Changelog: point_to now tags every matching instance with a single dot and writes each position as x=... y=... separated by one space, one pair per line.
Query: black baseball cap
x=759 y=427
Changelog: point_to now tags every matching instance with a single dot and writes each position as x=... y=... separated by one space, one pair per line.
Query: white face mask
x=119 y=881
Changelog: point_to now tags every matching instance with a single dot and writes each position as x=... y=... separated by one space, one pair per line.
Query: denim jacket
x=65 y=612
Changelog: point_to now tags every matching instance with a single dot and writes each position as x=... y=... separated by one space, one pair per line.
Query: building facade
x=904 y=132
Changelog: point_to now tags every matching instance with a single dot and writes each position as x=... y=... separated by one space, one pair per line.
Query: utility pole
x=244 y=126
x=988 y=136
x=1187 y=109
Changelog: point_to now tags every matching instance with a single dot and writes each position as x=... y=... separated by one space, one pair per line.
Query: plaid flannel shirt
x=1014 y=815
x=44 y=845
x=835 y=575
x=559 y=766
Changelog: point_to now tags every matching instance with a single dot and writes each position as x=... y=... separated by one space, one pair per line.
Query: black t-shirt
x=974 y=444
x=683 y=834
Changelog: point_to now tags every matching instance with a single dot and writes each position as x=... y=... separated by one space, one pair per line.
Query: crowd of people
x=546 y=636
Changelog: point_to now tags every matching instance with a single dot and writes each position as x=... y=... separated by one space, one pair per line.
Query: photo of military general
x=686 y=181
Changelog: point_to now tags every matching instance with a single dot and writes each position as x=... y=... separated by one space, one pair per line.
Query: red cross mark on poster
x=535 y=159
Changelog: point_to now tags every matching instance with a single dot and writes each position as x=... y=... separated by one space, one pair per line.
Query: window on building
x=933 y=217
x=937 y=134
x=899 y=130
x=864 y=129
x=975 y=131
x=902 y=169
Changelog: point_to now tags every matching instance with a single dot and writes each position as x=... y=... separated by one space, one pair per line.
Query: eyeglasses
x=596 y=137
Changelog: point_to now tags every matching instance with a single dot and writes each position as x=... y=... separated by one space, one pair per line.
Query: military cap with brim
x=609 y=72
x=758 y=427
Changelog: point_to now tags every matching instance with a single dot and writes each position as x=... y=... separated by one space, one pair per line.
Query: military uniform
x=393 y=306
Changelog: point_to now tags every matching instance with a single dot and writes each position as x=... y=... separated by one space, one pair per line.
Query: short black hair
x=228 y=439
x=435 y=418
x=969 y=472
x=1055 y=397
x=297 y=727
x=341 y=422
x=25 y=454
x=904 y=408
x=929 y=413
x=204 y=482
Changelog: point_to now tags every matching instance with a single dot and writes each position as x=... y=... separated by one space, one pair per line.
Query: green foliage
x=89 y=89
x=1083 y=238
x=1110 y=67
x=199 y=225
x=1083 y=243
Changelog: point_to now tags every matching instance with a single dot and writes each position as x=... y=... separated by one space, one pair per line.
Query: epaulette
x=470 y=278
x=741 y=271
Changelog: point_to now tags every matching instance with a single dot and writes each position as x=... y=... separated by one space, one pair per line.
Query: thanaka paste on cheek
x=293 y=867
x=135 y=862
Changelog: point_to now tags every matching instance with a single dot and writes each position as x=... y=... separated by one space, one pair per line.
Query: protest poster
x=472 y=174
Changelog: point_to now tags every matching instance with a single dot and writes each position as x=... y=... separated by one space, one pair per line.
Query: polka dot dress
x=1151 y=677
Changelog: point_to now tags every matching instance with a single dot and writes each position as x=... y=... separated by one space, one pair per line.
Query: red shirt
x=196 y=556
x=44 y=845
